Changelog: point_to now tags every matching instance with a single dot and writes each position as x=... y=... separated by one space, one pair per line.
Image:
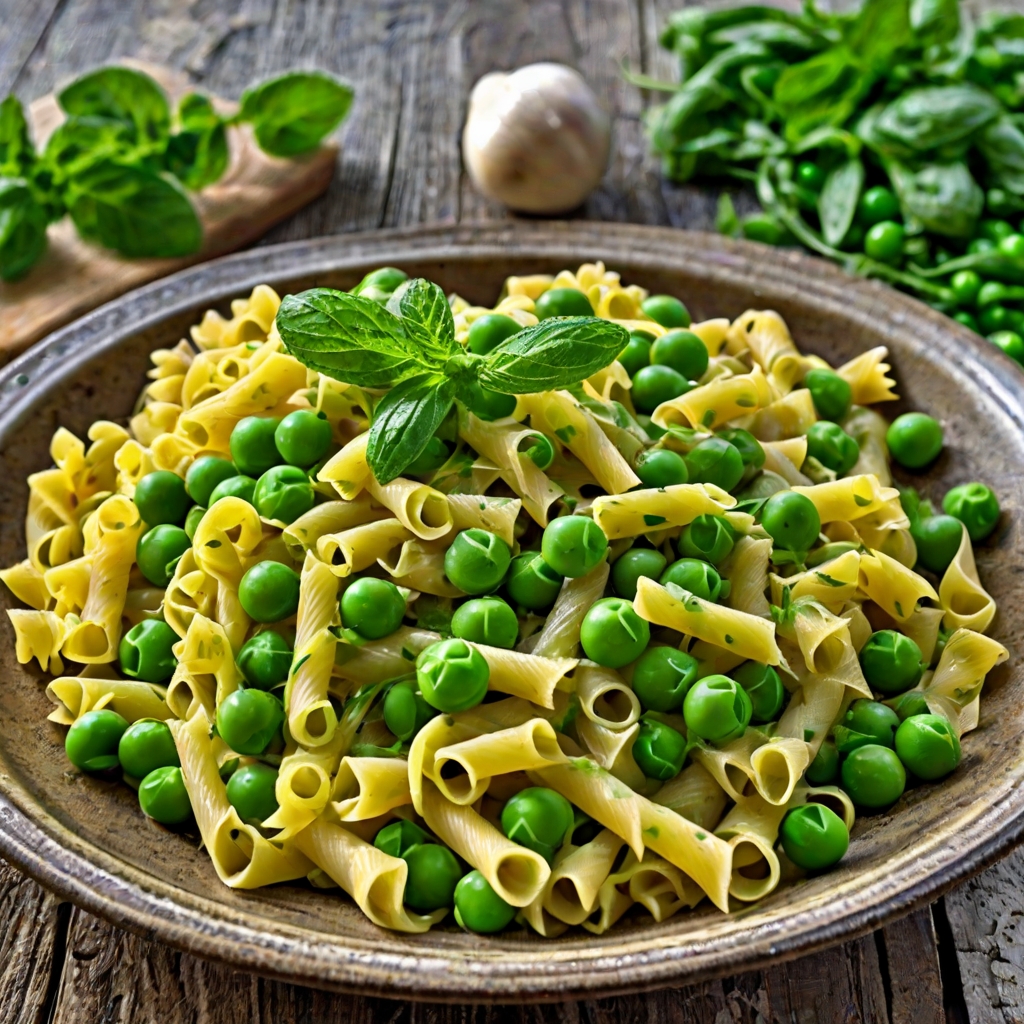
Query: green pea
x=269 y=592
x=830 y=393
x=824 y=769
x=164 y=798
x=995 y=229
x=791 y=520
x=204 y=474
x=158 y=552
x=659 y=467
x=928 y=745
x=193 y=519
x=884 y=241
x=746 y=444
x=145 y=746
x=992 y=293
x=653 y=385
x=430 y=460
x=487 y=404
x=248 y=721
x=613 y=634
x=161 y=498
x=145 y=651
x=405 y=711
x=965 y=285
x=538 y=448
x=708 y=537
x=810 y=175
x=1001 y=203
x=979 y=245
x=562 y=302
x=814 y=837
x=763 y=227
x=1012 y=246
x=717 y=709
x=891 y=662
x=938 y=540
x=659 y=750
x=433 y=875
x=662 y=677
x=283 y=494
x=373 y=608
x=251 y=791
x=649 y=427
x=976 y=506
x=303 y=437
x=866 y=721
x=477 y=561
x=878 y=204
x=398 y=838
x=696 y=576
x=666 y=310
x=909 y=704
x=380 y=284
x=914 y=439
x=265 y=660
x=629 y=567
x=1009 y=342
x=637 y=354
x=832 y=447
x=994 y=318
x=91 y=742
x=537 y=818
x=487 y=332
x=531 y=582
x=968 y=321
x=683 y=351
x=573 y=545
x=239 y=486
x=478 y=908
x=452 y=676
x=764 y=688
x=486 y=620
x=873 y=776
x=715 y=461
x=252 y=445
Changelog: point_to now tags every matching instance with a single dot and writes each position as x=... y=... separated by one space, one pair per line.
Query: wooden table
x=412 y=63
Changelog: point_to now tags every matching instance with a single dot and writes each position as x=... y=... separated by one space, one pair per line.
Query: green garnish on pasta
x=410 y=597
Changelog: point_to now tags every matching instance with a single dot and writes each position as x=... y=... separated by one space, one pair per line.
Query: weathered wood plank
x=25 y=23
x=912 y=967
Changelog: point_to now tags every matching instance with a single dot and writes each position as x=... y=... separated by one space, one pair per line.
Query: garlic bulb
x=536 y=139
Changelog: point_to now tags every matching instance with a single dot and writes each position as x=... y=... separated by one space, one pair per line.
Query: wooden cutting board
x=73 y=277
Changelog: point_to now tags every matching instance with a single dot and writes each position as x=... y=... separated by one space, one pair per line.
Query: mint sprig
x=409 y=347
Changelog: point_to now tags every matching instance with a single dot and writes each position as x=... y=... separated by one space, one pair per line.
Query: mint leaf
x=404 y=422
x=22 y=229
x=352 y=339
x=424 y=304
x=123 y=95
x=198 y=154
x=293 y=113
x=556 y=353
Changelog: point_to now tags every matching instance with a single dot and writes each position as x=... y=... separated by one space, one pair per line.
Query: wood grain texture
x=413 y=64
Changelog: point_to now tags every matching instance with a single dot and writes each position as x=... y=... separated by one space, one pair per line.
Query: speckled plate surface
x=85 y=838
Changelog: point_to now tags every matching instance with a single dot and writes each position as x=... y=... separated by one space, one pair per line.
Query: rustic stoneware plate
x=87 y=840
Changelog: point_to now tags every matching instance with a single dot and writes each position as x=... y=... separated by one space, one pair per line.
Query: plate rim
x=41 y=846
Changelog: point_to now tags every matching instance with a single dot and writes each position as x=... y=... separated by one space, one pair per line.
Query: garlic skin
x=536 y=139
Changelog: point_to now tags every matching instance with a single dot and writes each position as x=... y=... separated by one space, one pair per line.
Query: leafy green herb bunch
x=396 y=338
x=122 y=162
x=889 y=139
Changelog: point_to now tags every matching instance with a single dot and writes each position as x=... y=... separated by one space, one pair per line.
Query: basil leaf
x=22 y=228
x=133 y=210
x=122 y=95
x=823 y=90
x=198 y=154
x=943 y=198
x=350 y=338
x=1002 y=145
x=292 y=114
x=934 y=21
x=421 y=303
x=923 y=120
x=17 y=154
x=837 y=202
x=556 y=353
x=80 y=141
x=879 y=29
x=404 y=422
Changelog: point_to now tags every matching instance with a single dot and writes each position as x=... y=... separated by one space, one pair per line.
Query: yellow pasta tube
x=893 y=586
x=965 y=661
x=38 y=635
x=419 y=565
x=206 y=653
x=132 y=700
x=612 y=749
x=478 y=511
x=347 y=471
x=366 y=787
x=848 y=499
x=866 y=375
x=226 y=538
x=765 y=333
x=418 y=507
x=639 y=512
x=605 y=698
x=747 y=636
x=712 y=332
x=516 y=874
x=27 y=584
x=560 y=636
x=329 y=517
x=381 y=660
x=572 y=890
x=191 y=592
x=374 y=879
x=715 y=403
x=696 y=795
x=790 y=416
x=525 y=675
x=832 y=583
x=968 y=605
x=778 y=766
x=751 y=828
x=746 y=569
x=729 y=765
